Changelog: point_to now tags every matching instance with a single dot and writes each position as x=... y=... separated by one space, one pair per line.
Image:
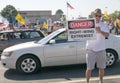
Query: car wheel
x=111 y=57
x=28 y=64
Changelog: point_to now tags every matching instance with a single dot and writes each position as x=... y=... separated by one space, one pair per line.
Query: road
x=63 y=74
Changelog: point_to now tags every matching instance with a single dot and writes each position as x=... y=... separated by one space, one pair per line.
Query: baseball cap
x=97 y=12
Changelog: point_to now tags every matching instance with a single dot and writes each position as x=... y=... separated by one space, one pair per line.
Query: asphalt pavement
x=69 y=74
x=107 y=79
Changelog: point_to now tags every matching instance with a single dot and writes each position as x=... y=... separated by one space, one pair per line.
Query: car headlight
x=8 y=54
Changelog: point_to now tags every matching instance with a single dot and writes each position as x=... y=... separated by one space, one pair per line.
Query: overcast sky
x=81 y=7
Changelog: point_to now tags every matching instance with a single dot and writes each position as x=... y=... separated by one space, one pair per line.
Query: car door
x=81 y=52
x=61 y=52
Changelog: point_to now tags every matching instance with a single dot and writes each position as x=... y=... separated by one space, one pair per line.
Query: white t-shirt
x=98 y=44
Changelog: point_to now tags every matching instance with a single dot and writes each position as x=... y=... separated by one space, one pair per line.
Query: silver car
x=54 y=50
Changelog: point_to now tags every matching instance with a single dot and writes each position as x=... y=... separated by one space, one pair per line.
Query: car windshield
x=51 y=35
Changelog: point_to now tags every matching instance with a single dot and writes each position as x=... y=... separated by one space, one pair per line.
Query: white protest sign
x=79 y=30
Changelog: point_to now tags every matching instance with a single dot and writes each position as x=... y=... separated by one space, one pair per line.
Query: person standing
x=96 y=48
x=110 y=26
x=116 y=29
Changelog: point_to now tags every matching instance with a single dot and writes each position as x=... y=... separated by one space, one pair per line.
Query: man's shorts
x=93 y=57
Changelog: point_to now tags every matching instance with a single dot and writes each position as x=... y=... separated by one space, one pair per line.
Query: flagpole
x=67 y=13
x=66 y=16
x=68 y=6
x=67 y=10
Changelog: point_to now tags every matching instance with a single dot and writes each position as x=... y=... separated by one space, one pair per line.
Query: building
x=35 y=16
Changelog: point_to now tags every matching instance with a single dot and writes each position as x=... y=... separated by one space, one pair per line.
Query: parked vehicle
x=12 y=37
x=54 y=50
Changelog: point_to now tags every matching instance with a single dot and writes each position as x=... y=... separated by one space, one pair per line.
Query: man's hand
x=98 y=30
x=101 y=32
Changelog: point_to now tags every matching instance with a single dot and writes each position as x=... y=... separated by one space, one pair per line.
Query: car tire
x=111 y=57
x=28 y=64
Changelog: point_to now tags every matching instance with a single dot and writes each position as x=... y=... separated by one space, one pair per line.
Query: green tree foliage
x=9 y=12
x=60 y=15
x=64 y=17
x=59 y=11
x=115 y=15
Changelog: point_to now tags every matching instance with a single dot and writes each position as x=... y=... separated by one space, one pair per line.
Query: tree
x=115 y=15
x=59 y=12
x=9 y=12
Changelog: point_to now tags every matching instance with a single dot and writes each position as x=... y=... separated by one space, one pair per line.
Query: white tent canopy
x=3 y=23
x=3 y=20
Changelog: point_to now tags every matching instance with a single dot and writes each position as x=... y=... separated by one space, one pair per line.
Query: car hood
x=21 y=46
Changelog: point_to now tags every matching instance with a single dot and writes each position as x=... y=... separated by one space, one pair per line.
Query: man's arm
x=105 y=34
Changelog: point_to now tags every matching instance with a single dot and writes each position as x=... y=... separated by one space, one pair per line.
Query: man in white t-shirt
x=96 y=48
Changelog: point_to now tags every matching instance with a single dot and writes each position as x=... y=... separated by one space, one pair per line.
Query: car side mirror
x=52 y=41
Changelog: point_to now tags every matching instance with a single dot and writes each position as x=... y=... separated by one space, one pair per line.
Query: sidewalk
x=107 y=79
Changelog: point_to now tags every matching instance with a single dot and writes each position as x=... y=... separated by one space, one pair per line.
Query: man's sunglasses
x=98 y=16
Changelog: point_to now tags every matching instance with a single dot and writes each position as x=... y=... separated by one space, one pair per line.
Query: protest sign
x=79 y=30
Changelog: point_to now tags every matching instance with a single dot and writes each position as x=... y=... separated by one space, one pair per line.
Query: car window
x=61 y=38
x=7 y=36
x=3 y=36
x=24 y=35
x=30 y=34
x=17 y=35
x=11 y=35
x=20 y=35
x=34 y=35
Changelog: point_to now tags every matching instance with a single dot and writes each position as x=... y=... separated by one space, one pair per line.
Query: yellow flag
x=117 y=21
x=106 y=15
x=45 y=25
x=20 y=19
x=118 y=24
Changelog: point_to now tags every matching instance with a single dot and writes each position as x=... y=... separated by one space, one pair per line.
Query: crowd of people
x=113 y=28
x=45 y=28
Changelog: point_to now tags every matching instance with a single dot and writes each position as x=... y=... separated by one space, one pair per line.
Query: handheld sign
x=81 y=30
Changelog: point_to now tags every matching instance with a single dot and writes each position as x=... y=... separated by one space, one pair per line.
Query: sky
x=82 y=8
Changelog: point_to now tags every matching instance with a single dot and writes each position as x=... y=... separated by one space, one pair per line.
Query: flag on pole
x=69 y=6
x=45 y=25
x=20 y=19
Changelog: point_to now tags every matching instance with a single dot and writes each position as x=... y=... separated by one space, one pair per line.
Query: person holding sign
x=96 y=48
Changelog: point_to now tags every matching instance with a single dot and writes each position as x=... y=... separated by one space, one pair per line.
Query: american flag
x=69 y=6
